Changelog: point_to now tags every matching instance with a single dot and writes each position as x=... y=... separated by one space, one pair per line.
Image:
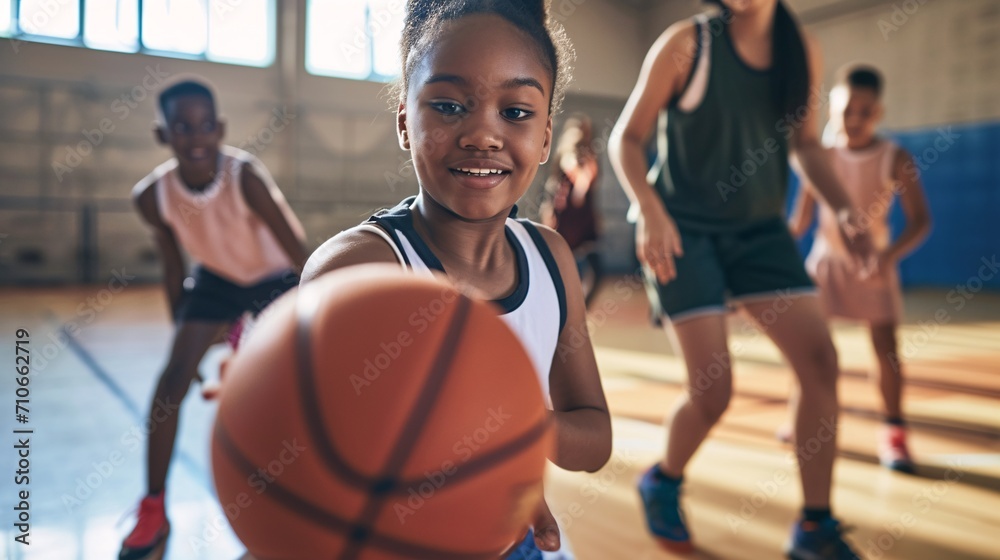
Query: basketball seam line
x=421 y=411
x=327 y=520
x=496 y=456
x=310 y=404
x=317 y=515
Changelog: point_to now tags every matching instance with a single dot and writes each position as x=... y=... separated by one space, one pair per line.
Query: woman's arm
x=818 y=170
x=663 y=73
x=805 y=143
x=802 y=211
x=582 y=421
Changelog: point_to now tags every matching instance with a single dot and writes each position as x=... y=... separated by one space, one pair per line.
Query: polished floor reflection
x=88 y=398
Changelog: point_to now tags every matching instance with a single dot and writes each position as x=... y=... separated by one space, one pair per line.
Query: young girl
x=711 y=232
x=874 y=170
x=481 y=81
x=571 y=193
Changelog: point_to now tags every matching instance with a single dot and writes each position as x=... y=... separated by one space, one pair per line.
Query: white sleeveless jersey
x=216 y=226
x=535 y=311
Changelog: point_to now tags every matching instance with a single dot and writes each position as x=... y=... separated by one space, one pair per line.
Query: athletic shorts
x=719 y=270
x=209 y=297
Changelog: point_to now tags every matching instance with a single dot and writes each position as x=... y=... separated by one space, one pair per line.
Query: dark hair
x=861 y=76
x=789 y=66
x=184 y=88
x=424 y=19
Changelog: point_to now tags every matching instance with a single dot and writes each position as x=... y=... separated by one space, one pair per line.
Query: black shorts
x=209 y=297
x=717 y=270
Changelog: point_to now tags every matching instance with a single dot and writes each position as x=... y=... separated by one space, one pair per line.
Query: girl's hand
x=884 y=262
x=858 y=240
x=546 y=529
x=657 y=243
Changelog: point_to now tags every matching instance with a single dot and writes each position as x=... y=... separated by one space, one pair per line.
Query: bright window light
x=45 y=18
x=112 y=25
x=386 y=18
x=6 y=21
x=241 y=32
x=234 y=31
x=356 y=39
x=336 y=41
x=179 y=26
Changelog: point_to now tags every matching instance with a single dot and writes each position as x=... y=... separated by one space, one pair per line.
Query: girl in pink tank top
x=875 y=172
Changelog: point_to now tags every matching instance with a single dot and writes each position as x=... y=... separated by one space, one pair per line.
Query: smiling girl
x=481 y=81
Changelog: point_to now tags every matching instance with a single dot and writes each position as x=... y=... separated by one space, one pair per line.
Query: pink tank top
x=867 y=177
x=217 y=227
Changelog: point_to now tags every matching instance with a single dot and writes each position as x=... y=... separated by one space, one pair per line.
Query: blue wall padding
x=961 y=176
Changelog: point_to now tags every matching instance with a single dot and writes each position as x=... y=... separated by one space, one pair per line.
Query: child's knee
x=711 y=405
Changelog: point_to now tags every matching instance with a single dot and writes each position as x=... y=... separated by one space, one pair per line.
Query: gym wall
x=330 y=143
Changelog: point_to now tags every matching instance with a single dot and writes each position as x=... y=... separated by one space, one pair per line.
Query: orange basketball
x=377 y=415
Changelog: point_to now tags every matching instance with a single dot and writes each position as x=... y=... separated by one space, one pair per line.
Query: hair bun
x=420 y=10
x=537 y=9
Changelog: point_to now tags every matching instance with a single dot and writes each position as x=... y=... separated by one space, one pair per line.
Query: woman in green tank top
x=731 y=93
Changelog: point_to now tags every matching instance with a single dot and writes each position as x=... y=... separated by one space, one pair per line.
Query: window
x=356 y=39
x=6 y=18
x=112 y=25
x=59 y=20
x=233 y=31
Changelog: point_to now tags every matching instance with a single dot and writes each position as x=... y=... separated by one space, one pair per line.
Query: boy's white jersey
x=216 y=226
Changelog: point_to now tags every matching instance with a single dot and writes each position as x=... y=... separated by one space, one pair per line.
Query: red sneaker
x=148 y=540
x=892 y=449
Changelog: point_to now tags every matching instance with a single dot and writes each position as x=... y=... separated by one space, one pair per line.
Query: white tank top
x=535 y=311
x=217 y=227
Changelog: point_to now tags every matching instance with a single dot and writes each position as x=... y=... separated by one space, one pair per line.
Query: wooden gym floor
x=89 y=397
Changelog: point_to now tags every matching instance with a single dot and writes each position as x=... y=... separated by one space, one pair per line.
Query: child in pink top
x=874 y=171
x=221 y=206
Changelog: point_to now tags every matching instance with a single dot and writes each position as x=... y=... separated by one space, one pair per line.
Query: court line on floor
x=115 y=389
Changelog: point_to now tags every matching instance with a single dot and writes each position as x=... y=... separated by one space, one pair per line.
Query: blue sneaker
x=526 y=550
x=819 y=541
x=661 y=503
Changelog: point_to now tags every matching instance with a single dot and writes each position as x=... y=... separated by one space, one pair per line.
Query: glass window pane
x=51 y=19
x=241 y=32
x=175 y=25
x=111 y=25
x=336 y=40
x=386 y=24
x=5 y=19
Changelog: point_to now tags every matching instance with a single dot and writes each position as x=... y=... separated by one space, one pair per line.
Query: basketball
x=377 y=415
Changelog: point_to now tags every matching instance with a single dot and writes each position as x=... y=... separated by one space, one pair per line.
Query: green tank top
x=725 y=164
